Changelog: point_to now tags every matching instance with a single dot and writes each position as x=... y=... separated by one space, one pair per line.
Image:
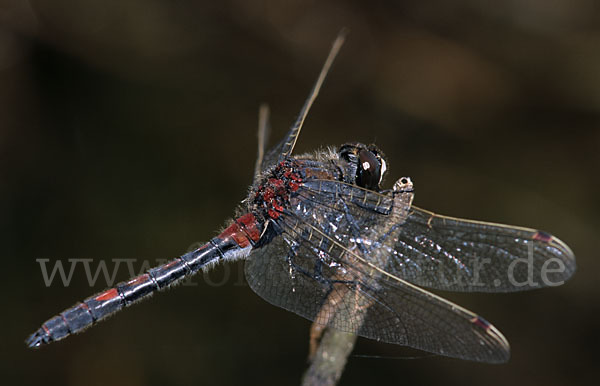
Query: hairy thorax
x=271 y=194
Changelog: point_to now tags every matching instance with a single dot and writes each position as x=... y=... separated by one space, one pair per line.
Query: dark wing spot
x=480 y=322
x=542 y=236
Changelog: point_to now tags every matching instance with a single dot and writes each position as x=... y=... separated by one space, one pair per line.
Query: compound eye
x=369 y=171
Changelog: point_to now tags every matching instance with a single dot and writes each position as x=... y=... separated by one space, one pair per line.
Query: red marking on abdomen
x=173 y=262
x=199 y=249
x=138 y=280
x=107 y=295
x=235 y=232
x=243 y=228
x=542 y=236
x=248 y=221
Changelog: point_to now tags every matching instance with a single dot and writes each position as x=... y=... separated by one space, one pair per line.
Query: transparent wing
x=437 y=251
x=462 y=255
x=264 y=127
x=309 y=273
x=286 y=146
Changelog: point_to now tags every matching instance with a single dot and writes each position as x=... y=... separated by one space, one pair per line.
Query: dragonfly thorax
x=272 y=193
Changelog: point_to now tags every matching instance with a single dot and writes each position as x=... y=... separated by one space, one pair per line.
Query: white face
x=383 y=169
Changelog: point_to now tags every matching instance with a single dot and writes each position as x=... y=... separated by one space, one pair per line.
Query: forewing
x=286 y=146
x=461 y=255
x=437 y=251
x=271 y=156
x=338 y=288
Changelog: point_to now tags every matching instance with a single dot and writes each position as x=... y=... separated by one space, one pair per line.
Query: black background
x=128 y=130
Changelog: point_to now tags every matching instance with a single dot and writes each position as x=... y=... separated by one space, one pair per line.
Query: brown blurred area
x=128 y=130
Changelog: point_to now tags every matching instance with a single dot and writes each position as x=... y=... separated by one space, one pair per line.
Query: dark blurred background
x=128 y=130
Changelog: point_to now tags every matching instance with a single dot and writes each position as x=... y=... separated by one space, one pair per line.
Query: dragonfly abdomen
x=235 y=242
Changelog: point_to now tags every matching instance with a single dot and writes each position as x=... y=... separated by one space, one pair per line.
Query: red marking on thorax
x=107 y=295
x=274 y=194
x=277 y=183
x=268 y=195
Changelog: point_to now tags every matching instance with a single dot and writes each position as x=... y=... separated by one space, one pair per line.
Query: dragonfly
x=320 y=237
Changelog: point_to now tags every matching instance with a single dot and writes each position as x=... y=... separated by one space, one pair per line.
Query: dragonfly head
x=365 y=165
